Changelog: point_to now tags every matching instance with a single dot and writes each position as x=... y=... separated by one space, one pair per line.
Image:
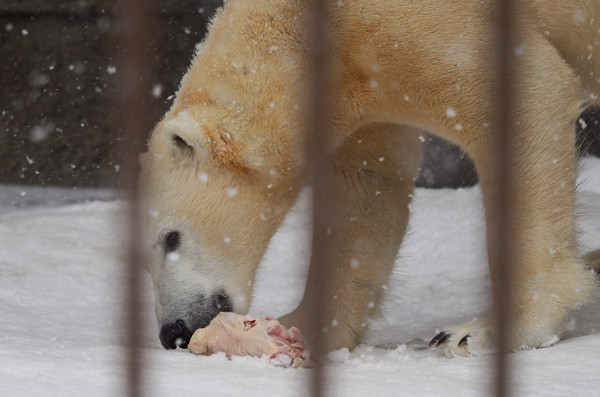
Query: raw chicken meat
x=241 y=335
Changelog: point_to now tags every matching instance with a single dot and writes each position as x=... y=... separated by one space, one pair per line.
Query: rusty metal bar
x=502 y=246
x=319 y=275
x=135 y=26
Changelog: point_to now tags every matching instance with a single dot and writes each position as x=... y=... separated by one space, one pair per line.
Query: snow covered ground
x=62 y=287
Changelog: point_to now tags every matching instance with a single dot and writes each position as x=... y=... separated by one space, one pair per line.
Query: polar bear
x=227 y=161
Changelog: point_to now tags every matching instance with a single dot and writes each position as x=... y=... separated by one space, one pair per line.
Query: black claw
x=464 y=340
x=444 y=339
x=439 y=339
x=435 y=340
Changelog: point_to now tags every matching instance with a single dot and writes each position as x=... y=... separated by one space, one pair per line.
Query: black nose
x=175 y=334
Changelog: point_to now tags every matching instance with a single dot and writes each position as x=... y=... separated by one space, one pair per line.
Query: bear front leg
x=373 y=179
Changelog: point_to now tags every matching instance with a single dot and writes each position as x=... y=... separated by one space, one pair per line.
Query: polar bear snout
x=175 y=335
x=178 y=333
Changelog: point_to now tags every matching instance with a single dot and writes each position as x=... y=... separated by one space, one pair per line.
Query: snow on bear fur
x=241 y=335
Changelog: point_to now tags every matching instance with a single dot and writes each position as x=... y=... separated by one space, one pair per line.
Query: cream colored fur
x=227 y=161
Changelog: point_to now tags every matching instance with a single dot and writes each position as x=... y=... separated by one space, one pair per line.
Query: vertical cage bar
x=134 y=123
x=319 y=276
x=502 y=253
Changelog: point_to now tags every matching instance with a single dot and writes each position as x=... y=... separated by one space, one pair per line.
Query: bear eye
x=172 y=241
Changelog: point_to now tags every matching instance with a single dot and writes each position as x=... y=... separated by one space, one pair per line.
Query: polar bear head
x=212 y=197
x=224 y=166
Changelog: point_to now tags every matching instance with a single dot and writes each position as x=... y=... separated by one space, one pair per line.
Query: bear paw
x=474 y=338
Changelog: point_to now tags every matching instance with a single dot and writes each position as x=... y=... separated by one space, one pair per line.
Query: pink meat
x=241 y=335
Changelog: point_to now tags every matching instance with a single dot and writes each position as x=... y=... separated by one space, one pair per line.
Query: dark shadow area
x=58 y=74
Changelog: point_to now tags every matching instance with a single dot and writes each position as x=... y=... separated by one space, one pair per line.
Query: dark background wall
x=59 y=102
x=59 y=74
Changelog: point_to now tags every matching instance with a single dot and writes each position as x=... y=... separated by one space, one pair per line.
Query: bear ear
x=191 y=140
x=178 y=133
